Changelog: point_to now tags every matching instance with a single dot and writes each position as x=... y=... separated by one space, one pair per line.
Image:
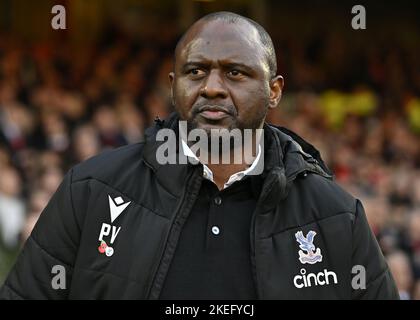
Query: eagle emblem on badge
x=313 y=254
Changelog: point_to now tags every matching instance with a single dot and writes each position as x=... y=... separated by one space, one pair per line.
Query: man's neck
x=239 y=158
x=223 y=171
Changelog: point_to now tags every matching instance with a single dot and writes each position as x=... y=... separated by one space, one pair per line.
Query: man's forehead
x=221 y=40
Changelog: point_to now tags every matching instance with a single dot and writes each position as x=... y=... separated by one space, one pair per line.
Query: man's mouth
x=214 y=113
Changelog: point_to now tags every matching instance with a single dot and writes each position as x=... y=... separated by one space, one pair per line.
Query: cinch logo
x=311 y=279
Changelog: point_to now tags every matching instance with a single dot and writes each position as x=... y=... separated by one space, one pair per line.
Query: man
x=123 y=225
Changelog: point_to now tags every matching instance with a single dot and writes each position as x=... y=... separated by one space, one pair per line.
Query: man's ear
x=171 y=76
x=276 y=89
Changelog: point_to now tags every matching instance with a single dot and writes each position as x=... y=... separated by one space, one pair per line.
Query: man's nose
x=214 y=86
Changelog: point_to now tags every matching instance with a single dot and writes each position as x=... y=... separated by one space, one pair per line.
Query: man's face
x=222 y=78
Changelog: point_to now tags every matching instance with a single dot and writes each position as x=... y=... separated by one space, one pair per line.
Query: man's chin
x=210 y=126
x=207 y=125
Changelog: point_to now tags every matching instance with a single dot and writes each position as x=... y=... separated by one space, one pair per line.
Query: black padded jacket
x=307 y=234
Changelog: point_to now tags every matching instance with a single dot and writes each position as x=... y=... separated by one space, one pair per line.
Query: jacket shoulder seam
x=377 y=277
x=123 y=193
x=49 y=254
x=13 y=291
x=71 y=200
x=313 y=221
x=107 y=273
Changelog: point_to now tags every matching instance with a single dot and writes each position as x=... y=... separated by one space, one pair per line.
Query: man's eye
x=235 y=73
x=196 y=72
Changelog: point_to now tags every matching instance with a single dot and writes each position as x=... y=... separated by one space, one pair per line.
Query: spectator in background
x=16 y=124
x=416 y=291
x=37 y=202
x=413 y=228
x=399 y=264
x=55 y=132
x=377 y=212
x=131 y=122
x=12 y=208
x=49 y=179
x=86 y=143
x=106 y=122
x=12 y=217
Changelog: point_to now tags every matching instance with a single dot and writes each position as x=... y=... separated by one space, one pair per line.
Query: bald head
x=262 y=36
x=225 y=74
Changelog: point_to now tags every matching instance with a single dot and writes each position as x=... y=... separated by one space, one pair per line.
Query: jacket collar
x=286 y=149
x=287 y=157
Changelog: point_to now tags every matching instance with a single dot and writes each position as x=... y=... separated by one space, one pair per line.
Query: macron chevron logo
x=116 y=207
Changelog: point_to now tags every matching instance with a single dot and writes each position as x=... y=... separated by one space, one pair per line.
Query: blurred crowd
x=361 y=109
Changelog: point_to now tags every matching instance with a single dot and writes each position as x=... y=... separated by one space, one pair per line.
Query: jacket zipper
x=155 y=287
x=253 y=226
x=253 y=238
x=253 y=258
